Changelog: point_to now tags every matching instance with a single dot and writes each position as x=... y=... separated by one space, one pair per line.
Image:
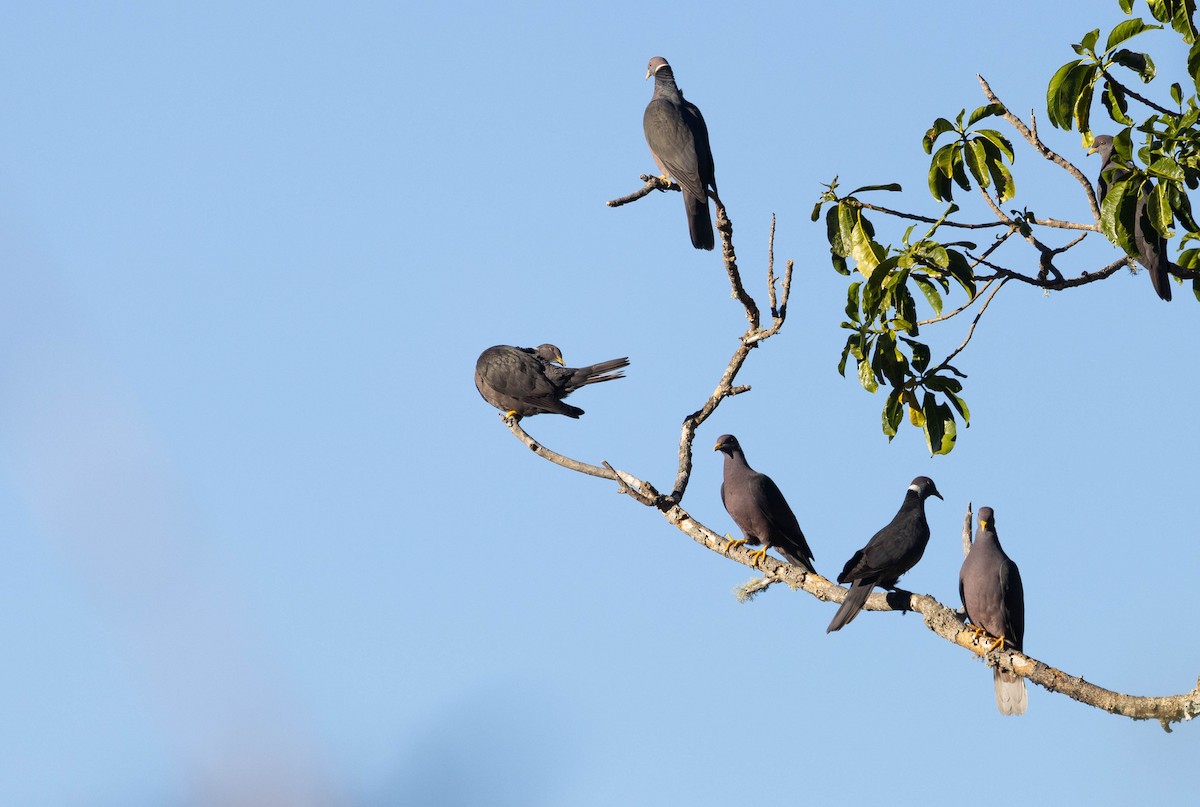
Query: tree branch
x=942 y=620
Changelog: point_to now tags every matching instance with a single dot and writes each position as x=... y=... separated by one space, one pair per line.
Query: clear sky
x=265 y=545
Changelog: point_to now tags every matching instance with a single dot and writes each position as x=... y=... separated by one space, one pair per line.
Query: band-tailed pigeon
x=678 y=140
x=890 y=553
x=758 y=508
x=990 y=587
x=1150 y=244
x=522 y=381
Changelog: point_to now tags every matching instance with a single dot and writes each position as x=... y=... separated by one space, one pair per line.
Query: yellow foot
x=977 y=632
x=732 y=543
x=757 y=555
x=999 y=643
x=509 y=415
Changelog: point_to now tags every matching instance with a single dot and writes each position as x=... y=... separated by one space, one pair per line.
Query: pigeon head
x=550 y=353
x=987 y=519
x=727 y=444
x=656 y=63
x=924 y=488
x=1102 y=145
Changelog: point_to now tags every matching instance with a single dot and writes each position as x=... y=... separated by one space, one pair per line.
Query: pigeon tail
x=796 y=560
x=1161 y=281
x=699 y=222
x=856 y=598
x=1011 y=698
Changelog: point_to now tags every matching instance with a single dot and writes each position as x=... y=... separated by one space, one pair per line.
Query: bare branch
x=653 y=183
x=725 y=228
x=967 y=531
x=970 y=331
x=1033 y=140
x=1055 y=285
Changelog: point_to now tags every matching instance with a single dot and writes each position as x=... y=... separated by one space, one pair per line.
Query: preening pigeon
x=890 y=553
x=522 y=381
x=757 y=506
x=678 y=140
x=990 y=587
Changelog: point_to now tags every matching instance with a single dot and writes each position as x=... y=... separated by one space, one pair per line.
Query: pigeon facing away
x=1149 y=242
x=758 y=508
x=522 y=381
x=990 y=587
x=678 y=140
x=890 y=553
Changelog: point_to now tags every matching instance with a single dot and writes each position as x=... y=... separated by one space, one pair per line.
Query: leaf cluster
x=1156 y=164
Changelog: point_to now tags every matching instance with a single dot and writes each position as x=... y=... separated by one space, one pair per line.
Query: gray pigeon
x=678 y=140
x=758 y=508
x=890 y=553
x=1150 y=244
x=522 y=381
x=990 y=587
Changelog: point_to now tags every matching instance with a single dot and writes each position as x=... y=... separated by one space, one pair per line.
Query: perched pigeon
x=890 y=553
x=522 y=381
x=678 y=140
x=759 y=509
x=1150 y=244
x=990 y=587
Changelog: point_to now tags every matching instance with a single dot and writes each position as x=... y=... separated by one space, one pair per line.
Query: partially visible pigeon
x=1150 y=244
x=758 y=508
x=522 y=381
x=678 y=140
x=890 y=553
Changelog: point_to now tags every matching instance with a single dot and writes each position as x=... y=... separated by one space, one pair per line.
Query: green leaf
x=942 y=383
x=1193 y=64
x=893 y=412
x=920 y=354
x=1176 y=93
x=1181 y=206
x=852 y=301
x=1115 y=103
x=960 y=270
x=1126 y=6
x=939 y=128
x=961 y=405
x=985 y=112
x=1167 y=168
x=1062 y=92
x=999 y=141
x=939 y=426
x=1139 y=63
x=1006 y=189
x=932 y=296
x=939 y=173
x=1127 y=30
x=845 y=354
x=957 y=171
x=891 y=186
x=976 y=159
x=1116 y=214
x=1089 y=39
x=866 y=376
x=1083 y=109
x=1159 y=210
x=866 y=252
x=835 y=227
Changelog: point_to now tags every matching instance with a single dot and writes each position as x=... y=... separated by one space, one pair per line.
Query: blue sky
x=266 y=545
